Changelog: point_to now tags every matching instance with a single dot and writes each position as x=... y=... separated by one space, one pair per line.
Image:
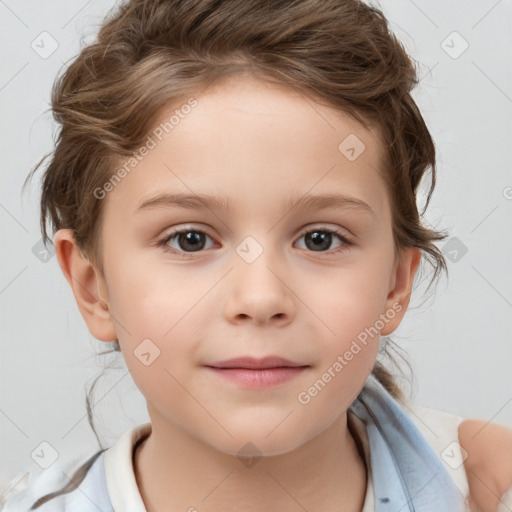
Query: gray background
x=458 y=341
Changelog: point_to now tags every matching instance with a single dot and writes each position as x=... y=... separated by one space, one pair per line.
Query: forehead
x=250 y=141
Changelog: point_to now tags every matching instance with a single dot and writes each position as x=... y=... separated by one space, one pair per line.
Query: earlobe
x=86 y=284
x=400 y=294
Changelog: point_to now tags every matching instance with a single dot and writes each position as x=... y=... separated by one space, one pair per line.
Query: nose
x=259 y=294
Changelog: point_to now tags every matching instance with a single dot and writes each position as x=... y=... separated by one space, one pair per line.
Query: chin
x=255 y=443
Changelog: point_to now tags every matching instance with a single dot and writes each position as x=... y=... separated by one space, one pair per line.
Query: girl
x=282 y=140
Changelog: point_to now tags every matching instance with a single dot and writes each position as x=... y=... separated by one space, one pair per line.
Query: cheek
x=351 y=311
x=150 y=300
x=351 y=299
x=159 y=343
x=155 y=326
x=351 y=307
x=350 y=348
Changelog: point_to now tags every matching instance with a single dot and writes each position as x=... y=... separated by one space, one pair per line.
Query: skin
x=489 y=462
x=256 y=144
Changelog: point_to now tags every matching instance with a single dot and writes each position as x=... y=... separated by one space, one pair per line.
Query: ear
x=400 y=288
x=87 y=285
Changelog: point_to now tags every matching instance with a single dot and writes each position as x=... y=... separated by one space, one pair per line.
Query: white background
x=458 y=341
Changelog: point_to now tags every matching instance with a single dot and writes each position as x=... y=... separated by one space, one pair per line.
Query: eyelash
x=164 y=241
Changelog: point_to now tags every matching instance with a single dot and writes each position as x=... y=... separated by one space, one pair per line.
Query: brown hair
x=153 y=53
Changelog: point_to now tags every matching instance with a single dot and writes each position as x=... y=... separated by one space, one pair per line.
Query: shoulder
x=62 y=486
x=23 y=492
x=488 y=461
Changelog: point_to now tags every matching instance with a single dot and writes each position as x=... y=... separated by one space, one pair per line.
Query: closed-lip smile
x=255 y=363
x=257 y=373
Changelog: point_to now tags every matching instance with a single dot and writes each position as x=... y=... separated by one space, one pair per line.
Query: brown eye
x=320 y=240
x=187 y=240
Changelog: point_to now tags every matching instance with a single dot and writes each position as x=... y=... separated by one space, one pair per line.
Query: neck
x=177 y=472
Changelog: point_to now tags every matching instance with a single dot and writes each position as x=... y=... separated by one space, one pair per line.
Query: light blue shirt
x=407 y=474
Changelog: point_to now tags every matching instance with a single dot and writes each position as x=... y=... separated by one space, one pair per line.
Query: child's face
x=258 y=286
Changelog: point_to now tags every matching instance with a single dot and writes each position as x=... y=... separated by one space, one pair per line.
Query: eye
x=319 y=239
x=187 y=240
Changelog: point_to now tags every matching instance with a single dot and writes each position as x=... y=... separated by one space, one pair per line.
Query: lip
x=256 y=364
x=250 y=372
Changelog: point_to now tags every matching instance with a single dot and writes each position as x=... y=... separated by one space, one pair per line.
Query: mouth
x=253 y=363
x=257 y=373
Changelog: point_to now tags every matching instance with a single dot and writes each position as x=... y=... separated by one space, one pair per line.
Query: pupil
x=320 y=239
x=190 y=239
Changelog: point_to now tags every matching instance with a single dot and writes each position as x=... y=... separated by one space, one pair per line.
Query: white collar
x=119 y=473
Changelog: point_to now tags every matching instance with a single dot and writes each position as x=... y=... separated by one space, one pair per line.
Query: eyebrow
x=203 y=201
